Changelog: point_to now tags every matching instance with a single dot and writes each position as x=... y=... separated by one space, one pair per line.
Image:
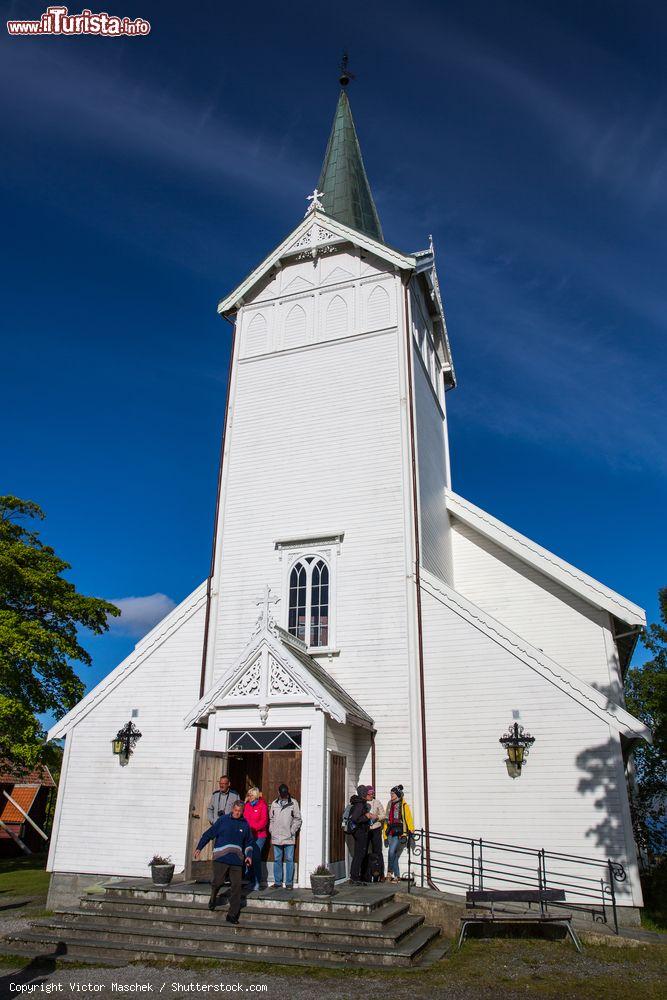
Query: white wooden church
x=362 y=621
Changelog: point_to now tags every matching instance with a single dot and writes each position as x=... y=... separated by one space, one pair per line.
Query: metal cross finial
x=315 y=202
x=265 y=603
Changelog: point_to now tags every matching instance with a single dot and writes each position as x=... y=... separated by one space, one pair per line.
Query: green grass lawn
x=24 y=876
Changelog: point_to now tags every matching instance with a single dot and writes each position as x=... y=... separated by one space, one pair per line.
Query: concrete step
x=229 y=943
x=54 y=951
x=169 y=909
x=206 y=925
x=352 y=899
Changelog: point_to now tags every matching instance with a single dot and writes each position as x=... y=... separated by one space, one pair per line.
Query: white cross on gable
x=265 y=602
x=315 y=202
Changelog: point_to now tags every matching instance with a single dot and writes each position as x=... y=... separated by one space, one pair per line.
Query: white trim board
x=144 y=647
x=591 y=699
x=339 y=233
x=546 y=562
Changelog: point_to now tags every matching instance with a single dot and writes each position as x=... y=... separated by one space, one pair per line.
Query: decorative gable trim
x=316 y=236
x=281 y=680
x=249 y=684
x=323 y=230
x=267 y=673
x=554 y=672
x=550 y=565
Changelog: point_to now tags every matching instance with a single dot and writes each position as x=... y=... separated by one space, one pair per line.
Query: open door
x=209 y=766
x=337 y=803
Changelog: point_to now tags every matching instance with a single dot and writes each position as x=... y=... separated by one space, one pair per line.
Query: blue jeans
x=395 y=848
x=257 y=848
x=285 y=851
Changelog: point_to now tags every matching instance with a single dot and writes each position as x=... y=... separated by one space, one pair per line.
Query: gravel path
x=141 y=980
x=495 y=971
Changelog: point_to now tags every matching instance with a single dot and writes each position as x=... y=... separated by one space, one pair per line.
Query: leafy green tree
x=40 y=615
x=646 y=697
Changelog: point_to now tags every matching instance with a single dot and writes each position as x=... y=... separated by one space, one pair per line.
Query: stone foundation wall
x=65 y=888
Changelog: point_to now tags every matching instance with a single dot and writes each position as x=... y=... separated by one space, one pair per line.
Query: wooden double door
x=264 y=769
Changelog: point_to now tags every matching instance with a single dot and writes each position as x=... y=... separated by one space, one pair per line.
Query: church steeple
x=346 y=193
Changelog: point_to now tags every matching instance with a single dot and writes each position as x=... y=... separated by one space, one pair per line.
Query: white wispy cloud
x=140 y=614
x=623 y=147
x=542 y=371
x=101 y=104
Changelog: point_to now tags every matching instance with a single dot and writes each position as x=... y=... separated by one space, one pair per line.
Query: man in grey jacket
x=222 y=801
x=284 y=824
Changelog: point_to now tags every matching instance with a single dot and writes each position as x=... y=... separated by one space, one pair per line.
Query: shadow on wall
x=602 y=773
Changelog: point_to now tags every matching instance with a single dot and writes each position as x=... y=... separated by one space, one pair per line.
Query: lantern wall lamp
x=124 y=742
x=517 y=743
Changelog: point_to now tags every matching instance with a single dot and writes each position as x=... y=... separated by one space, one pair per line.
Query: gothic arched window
x=309 y=601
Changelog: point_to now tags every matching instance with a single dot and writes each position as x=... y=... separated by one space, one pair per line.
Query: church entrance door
x=210 y=765
x=266 y=770
x=337 y=803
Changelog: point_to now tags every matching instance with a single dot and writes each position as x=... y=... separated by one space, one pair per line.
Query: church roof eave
x=315 y=683
x=157 y=635
x=586 y=587
x=339 y=233
x=585 y=694
x=426 y=273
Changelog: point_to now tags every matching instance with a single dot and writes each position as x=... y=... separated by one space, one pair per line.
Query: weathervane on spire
x=315 y=202
x=345 y=74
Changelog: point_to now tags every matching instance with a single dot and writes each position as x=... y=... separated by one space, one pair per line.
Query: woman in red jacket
x=256 y=812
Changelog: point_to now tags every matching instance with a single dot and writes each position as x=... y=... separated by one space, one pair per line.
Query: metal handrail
x=471 y=863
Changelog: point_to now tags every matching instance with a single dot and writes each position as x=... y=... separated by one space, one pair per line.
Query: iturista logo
x=59 y=21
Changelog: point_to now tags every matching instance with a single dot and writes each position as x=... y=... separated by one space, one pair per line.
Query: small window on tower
x=309 y=586
x=297 y=601
x=309 y=601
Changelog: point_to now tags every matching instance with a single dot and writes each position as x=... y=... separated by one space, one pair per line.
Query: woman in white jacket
x=284 y=824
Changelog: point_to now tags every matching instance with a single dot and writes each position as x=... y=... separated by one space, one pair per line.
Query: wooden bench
x=541 y=896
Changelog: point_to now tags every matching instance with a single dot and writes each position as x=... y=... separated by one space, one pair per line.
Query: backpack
x=347 y=823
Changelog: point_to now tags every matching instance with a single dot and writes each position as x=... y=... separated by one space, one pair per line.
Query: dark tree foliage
x=646 y=698
x=40 y=615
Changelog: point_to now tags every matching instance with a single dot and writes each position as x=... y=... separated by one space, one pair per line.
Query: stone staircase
x=132 y=920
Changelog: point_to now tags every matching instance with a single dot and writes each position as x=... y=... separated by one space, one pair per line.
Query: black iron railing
x=462 y=863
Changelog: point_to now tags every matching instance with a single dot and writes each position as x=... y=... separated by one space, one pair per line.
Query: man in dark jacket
x=358 y=824
x=231 y=851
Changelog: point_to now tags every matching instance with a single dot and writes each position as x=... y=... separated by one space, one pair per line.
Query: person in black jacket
x=358 y=825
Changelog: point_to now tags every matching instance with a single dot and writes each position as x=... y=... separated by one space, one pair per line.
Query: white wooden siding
x=563 y=625
x=570 y=795
x=314 y=447
x=113 y=818
x=434 y=520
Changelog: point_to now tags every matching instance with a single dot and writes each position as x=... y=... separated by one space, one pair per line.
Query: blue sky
x=143 y=178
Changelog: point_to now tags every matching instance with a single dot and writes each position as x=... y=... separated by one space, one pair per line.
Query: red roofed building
x=32 y=793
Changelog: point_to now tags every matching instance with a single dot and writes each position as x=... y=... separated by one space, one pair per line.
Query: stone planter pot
x=322 y=885
x=162 y=874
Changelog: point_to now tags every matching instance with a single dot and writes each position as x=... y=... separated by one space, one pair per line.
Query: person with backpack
x=284 y=824
x=358 y=823
x=373 y=867
x=399 y=826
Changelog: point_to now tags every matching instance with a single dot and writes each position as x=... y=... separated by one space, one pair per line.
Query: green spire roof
x=346 y=193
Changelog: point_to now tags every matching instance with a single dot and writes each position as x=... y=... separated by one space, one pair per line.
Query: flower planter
x=322 y=885
x=162 y=874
